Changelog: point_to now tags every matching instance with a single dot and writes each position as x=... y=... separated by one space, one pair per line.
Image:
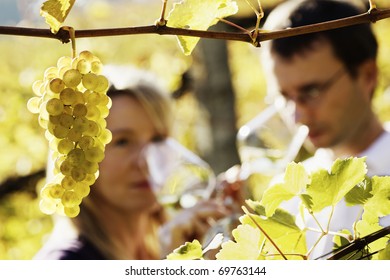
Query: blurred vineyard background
x=23 y=148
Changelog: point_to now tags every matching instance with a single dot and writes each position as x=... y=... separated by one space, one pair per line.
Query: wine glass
x=178 y=176
x=267 y=143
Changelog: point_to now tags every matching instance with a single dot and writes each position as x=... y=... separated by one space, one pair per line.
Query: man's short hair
x=352 y=45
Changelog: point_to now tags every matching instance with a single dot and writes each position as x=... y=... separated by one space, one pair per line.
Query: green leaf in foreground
x=55 y=12
x=359 y=193
x=247 y=245
x=188 y=251
x=295 y=180
x=385 y=253
x=198 y=15
x=328 y=188
x=364 y=228
x=281 y=228
x=379 y=204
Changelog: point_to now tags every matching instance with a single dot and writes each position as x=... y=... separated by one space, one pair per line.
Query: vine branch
x=373 y=15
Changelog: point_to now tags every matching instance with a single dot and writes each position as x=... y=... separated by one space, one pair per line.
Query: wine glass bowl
x=178 y=176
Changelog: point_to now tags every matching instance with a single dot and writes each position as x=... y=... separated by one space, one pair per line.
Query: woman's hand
x=189 y=224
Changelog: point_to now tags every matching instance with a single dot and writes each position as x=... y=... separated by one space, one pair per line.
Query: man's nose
x=301 y=114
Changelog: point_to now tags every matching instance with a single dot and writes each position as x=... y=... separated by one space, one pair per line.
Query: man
x=331 y=78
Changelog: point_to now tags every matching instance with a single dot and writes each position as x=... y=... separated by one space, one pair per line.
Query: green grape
x=72 y=78
x=45 y=191
x=93 y=129
x=64 y=61
x=56 y=191
x=54 y=119
x=109 y=104
x=93 y=98
x=105 y=136
x=62 y=70
x=104 y=100
x=74 y=135
x=70 y=199
x=66 y=167
x=90 y=81
x=47 y=206
x=68 y=96
x=60 y=131
x=58 y=161
x=48 y=135
x=56 y=85
x=102 y=84
x=93 y=112
x=72 y=212
x=90 y=179
x=54 y=107
x=86 y=142
x=33 y=104
x=83 y=66
x=90 y=167
x=96 y=67
x=88 y=56
x=95 y=154
x=42 y=122
x=38 y=87
x=50 y=73
x=80 y=124
x=65 y=146
x=76 y=156
x=66 y=120
x=53 y=143
x=80 y=110
x=74 y=62
x=78 y=174
x=82 y=189
x=86 y=94
x=68 y=183
x=79 y=98
x=104 y=111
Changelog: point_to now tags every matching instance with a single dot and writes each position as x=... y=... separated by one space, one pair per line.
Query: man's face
x=335 y=106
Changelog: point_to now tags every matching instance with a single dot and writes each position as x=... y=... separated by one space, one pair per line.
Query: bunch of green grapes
x=72 y=104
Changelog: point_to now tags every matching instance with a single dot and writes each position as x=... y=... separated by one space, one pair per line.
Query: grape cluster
x=72 y=105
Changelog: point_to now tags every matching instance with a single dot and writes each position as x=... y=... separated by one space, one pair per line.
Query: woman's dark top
x=76 y=249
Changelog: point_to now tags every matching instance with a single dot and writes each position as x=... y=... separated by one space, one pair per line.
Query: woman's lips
x=314 y=135
x=142 y=185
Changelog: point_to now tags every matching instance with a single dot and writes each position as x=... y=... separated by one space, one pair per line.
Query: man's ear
x=368 y=77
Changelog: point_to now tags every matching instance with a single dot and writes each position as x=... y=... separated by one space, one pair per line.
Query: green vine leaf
x=55 y=12
x=198 y=15
x=385 y=253
x=247 y=245
x=328 y=188
x=188 y=251
x=359 y=193
x=365 y=228
x=379 y=204
x=281 y=227
x=295 y=180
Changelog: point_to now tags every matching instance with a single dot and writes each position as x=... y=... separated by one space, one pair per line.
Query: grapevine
x=72 y=104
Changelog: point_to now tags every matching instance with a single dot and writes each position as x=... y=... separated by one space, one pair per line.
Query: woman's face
x=122 y=182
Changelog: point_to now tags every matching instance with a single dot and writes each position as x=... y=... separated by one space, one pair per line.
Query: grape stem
x=259 y=15
x=72 y=35
x=162 y=21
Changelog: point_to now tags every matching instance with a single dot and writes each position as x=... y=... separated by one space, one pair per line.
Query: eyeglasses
x=311 y=93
